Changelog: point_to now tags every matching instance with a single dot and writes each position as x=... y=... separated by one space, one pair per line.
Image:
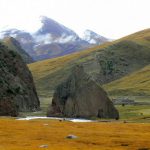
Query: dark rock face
x=79 y=96
x=17 y=90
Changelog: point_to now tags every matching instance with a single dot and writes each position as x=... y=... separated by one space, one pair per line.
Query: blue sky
x=110 y=18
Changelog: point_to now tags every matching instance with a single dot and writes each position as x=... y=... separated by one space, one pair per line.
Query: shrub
x=13 y=54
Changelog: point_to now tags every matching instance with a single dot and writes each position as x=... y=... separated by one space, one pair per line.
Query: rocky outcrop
x=79 y=96
x=17 y=90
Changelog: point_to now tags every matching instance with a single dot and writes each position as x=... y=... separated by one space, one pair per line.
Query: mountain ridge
x=51 y=40
x=13 y=44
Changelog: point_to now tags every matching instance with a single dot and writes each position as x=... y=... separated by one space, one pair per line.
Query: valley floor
x=30 y=135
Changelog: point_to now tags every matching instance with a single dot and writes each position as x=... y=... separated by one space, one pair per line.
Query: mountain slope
x=53 y=40
x=142 y=37
x=17 y=89
x=137 y=83
x=54 y=29
x=13 y=44
x=104 y=63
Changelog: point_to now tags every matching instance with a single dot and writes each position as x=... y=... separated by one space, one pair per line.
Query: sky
x=110 y=18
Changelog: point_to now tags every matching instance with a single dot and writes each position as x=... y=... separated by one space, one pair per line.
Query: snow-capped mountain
x=93 y=38
x=54 y=32
x=52 y=39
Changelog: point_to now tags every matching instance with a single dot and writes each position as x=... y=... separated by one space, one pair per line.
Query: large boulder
x=79 y=96
x=17 y=90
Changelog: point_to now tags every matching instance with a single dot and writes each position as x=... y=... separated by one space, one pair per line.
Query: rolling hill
x=137 y=83
x=104 y=63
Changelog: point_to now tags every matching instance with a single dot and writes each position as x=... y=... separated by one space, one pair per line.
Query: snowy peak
x=51 y=26
x=93 y=38
x=54 y=32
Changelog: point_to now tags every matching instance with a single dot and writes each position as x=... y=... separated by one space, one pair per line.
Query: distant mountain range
x=53 y=39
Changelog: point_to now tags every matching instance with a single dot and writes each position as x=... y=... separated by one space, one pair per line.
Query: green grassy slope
x=126 y=55
x=137 y=83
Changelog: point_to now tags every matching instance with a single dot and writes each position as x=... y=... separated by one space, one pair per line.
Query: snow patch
x=4 y=34
x=93 y=38
x=44 y=39
x=92 y=41
x=64 y=39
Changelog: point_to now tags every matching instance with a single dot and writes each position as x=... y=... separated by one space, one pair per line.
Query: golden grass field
x=29 y=135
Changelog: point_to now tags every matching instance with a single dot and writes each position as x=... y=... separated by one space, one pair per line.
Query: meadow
x=33 y=134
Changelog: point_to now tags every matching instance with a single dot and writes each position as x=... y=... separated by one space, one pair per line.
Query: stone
x=45 y=124
x=80 y=97
x=43 y=146
x=71 y=137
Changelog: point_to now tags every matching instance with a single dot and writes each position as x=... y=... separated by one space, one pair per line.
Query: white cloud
x=48 y=39
x=65 y=39
x=110 y=18
x=44 y=39
x=92 y=41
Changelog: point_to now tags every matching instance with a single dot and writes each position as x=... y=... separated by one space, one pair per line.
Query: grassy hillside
x=142 y=37
x=48 y=73
x=137 y=83
x=104 y=63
